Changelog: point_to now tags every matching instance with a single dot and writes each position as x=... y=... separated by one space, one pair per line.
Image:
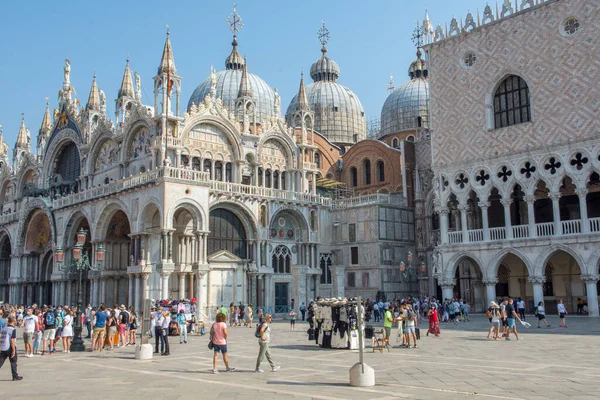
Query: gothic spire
x=167 y=59
x=302 y=104
x=93 y=103
x=245 y=88
x=127 y=85
x=23 y=139
x=47 y=121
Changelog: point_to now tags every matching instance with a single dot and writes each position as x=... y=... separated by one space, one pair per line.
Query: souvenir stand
x=335 y=323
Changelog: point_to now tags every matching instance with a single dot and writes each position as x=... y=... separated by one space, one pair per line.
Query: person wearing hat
x=493 y=314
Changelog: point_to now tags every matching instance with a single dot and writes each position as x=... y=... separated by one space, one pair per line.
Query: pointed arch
x=547 y=254
x=104 y=217
x=452 y=264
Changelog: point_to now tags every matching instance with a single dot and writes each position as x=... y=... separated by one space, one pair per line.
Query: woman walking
x=67 y=332
x=263 y=343
x=434 y=321
x=218 y=336
x=541 y=314
x=111 y=326
x=562 y=312
x=133 y=326
x=494 y=313
x=250 y=315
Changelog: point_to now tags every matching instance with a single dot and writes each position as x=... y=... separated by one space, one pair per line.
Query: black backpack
x=258 y=328
x=124 y=317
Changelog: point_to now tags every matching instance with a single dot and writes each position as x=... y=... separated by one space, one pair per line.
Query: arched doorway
x=227 y=251
x=469 y=286
x=118 y=256
x=563 y=281
x=5 y=258
x=37 y=244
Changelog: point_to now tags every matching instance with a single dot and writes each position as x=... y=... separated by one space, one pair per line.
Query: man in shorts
x=30 y=322
x=49 y=319
x=99 y=328
x=511 y=315
x=388 y=322
x=411 y=319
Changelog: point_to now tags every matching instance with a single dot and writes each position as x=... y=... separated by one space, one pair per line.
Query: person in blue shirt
x=3 y=322
x=99 y=328
x=182 y=321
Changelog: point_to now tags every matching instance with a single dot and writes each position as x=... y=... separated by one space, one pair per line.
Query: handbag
x=210 y=342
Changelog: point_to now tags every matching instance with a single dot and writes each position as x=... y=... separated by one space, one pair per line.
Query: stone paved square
x=551 y=363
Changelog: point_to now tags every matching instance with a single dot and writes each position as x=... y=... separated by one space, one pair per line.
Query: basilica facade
x=224 y=200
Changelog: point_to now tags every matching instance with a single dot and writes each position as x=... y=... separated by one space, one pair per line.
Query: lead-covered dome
x=228 y=86
x=338 y=113
x=407 y=107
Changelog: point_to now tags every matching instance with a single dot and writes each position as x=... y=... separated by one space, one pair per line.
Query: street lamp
x=79 y=263
x=406 y=274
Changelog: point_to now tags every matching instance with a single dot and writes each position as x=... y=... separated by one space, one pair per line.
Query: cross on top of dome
x=235 y=21
x=323 y=35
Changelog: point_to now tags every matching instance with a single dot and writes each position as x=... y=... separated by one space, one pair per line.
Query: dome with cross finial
x=339 y=115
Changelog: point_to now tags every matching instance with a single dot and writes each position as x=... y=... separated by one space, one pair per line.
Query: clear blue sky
x=370 y=40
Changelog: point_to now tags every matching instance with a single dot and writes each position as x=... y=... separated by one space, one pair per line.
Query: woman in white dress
x=67 y=331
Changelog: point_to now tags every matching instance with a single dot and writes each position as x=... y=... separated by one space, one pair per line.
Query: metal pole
x=360 y=335
x=77 y=344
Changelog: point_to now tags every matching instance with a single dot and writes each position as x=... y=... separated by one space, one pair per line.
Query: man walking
x=8 y=347
x=264 y=339
x=510 y=318
x=30 y=325
x=49 y=319
x=88 y=320
x=521 y=308
x=99 y=329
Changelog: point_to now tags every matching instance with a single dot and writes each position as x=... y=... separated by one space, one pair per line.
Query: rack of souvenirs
x=334 y=323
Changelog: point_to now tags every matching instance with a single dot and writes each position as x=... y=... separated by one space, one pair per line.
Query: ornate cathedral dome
x=407 y=107
x=338 y=113
x=228 y=86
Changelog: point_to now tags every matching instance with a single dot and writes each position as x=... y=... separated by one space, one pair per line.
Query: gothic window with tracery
x=325 y=264
x=69 y=165
x=282 y=260
x=511 y=102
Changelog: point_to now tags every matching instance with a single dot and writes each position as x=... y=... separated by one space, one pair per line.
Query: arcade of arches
x=561 y=279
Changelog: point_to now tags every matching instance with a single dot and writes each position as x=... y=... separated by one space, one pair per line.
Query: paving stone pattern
x=549 y=363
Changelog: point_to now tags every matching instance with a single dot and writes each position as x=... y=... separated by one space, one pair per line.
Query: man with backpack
x=263 y=333
x=49 y=319
x=8 y=347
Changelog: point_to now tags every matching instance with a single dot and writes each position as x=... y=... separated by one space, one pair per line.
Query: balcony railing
x=544 y=229
x=378 y=198
x=264 y=192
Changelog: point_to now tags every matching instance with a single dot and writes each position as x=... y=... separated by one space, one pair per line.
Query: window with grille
x=351 y=277
x=511 y=102
x=502 y=288
x=352 y=233
x=226 y=233
x=69 y=165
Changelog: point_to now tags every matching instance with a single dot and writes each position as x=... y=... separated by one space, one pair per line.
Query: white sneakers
x=275 y=368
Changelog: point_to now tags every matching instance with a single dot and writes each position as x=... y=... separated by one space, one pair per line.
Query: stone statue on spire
x=138 y=87
x=67 y=71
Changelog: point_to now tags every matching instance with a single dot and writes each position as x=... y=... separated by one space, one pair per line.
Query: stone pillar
x=592 y=293
x=130 y=295
x=538 y=288
x=490 y=290
x=338 y=280
x=201 y=298
x=531 y=217
x=190 y=286
x=507 y=223
x=443 y=212
x=170 y=246
x=555 y=197
x=181 y=285
x=68 y=294
x=269 y=291
x=448 y=288
x=144 y=288
x=583 y=214
x=485 y=205
x=63 y=292
x=137 y=305
x=102 y=297
x=163 y=246
x=164 y=275
x=463 y=223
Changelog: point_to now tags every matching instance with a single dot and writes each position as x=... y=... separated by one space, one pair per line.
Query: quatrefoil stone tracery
x=504 y=173
x=552 y=165
x=482 y=177
x=579 y=161
x=528 y=169
x=461 y=181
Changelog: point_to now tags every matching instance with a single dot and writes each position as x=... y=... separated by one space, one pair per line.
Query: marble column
x=530 y=200
x=484 y=206
x=538 y=288
x=555 y=197
x=102 y=295
x=490 y=290
x=137 y=296
x=463 y=223
x=181 y=285
x=144 y=288
x=583 y=214
x=507 y=222
x=448 y=288
x=69 y=293
x=443 y=213
x=200 y=297
x=190 y=286
x=592 y=293
x=165 y=284
x=131 y=294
